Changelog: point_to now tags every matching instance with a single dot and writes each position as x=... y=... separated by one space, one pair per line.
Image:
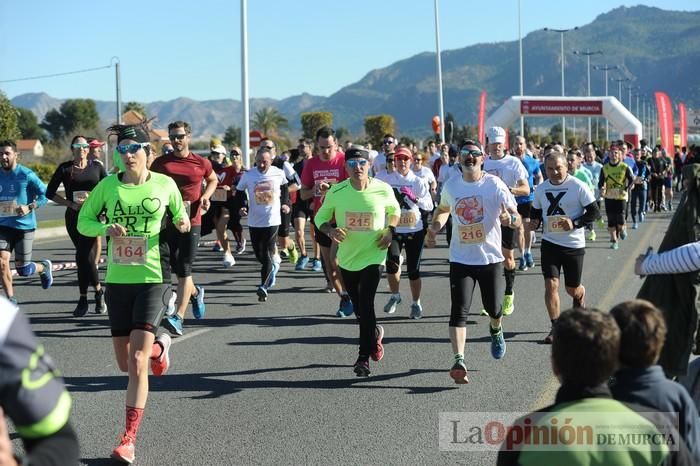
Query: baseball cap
x=96 y=143
x=496 y=134
x=356 y=152
x=220 y=149
x=403 y=152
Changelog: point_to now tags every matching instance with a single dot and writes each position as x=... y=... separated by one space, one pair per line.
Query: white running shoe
x=229 y=261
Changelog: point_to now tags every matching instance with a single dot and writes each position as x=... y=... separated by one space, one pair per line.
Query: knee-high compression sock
x=510 y=279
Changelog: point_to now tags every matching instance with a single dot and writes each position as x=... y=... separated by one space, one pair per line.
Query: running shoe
x=173 y=324
x=100 y=306
x=329 y=287
x=272 y=279
x=508 y=304
x=614 y=246
x=530 y=260
x=229 y=261
x=580 y=303
x=316 y=264
x=635 y=225
x=623 y=235
x=170 y=307
x=198 y=306
x=498 y=344
x=345 y=308
x=217 y=247
x=378 y=353
x=82 y=308
x=416 y=311
x=301 y=263
x=125 y=452
x=549 y=339
x=591 y=235
x=459 y=372
x=160 y=365
x=642 y=216
x=483 y=313
x=390 y=307
x=361 y=367
x=522 y=265
x=601 y=221
x=294 y=255
x=262 y=294
x=240 y=247
x=47 y=275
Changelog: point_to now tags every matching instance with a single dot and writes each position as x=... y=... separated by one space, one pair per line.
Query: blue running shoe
x=623 y=235
x=272 y=279
x=173 y=324
x=498 y=344
x=316 y=265
x=47 y=275
x=529 y=260
x=522 y=264
x=301 y=263
x=345 y=308
x=198 y=307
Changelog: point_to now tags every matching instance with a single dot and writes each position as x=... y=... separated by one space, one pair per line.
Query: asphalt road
x=272 y=383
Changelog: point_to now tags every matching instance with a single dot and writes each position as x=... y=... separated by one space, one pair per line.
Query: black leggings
x=85 y=253
x=362 y=285
x=264 y=240
x=463 y=280
x=413 y=243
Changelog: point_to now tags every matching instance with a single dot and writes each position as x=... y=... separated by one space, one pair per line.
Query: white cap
x=496 y=134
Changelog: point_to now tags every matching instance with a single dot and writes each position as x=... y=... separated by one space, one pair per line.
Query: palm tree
x=268 y=120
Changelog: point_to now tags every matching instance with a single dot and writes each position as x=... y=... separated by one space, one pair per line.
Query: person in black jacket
x=640 y=380
x=39 y=411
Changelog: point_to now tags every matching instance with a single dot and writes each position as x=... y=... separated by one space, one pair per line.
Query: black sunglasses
x=174 y=137
x=235 y=154
x=388 y=141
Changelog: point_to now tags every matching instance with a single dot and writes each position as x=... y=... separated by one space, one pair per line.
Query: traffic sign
x=255 y=138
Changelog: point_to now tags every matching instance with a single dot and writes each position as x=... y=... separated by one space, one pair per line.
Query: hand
x=116 y=230
x=205 y=203
x=324 y=186
x=338 y=235
x=6 y=457
x=285 y=209
x=184 y=225
x=243 y=211
x=225 y=188
x=566 y=224
x=23 y=210
x=384 y=241
x=430 y=239
x=640 y=260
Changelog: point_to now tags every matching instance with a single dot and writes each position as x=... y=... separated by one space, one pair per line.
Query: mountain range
x=658 y=50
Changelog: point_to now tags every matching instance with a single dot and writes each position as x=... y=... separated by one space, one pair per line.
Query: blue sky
x=171 y=49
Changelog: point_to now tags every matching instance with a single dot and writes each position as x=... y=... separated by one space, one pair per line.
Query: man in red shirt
x=188 y=170
x=319 y=174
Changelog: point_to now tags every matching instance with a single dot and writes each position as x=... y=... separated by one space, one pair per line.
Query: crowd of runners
x=368 y=214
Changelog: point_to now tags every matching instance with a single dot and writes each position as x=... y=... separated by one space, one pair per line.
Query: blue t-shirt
x=21 y=186
x=532 y=167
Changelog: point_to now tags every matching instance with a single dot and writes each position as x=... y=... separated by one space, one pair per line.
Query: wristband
x=513 y=219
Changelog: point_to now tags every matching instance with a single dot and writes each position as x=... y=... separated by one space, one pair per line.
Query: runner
x=264 y=197
x=565 y=204
x=668 y=182
x=366 y=213
x=409 y=233
x=526 y=234
x=303 y=211
x=79 y=177
x=284 y=244
x=222 y=199
x=388 y=147
x=512 y=172
x=615 y=179
x=594 y=168
x=136 y=202
x=21 y=193
x=234 y=224
x=33 y=397
x=426 y=203
x=480 y=203
x=189 y=171
x=658 y=168
x=639 y=190
x=320 y=173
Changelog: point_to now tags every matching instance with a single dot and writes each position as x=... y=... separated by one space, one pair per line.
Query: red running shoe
x=125 y=451
x=378 y=353
x=160 y=365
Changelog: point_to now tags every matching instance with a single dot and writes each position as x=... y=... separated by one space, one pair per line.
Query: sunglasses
x=79 y=145
x=168 y=151
x=354 y=163
x=215 y=153
x=473 y=153
x=403 y=157
x=235 y=154
x=389 y=160
x=174 y=137
x=418 y=159
x=124 y=149
x=388 y=141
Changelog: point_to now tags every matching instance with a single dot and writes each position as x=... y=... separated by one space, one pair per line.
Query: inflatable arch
x=618 y=116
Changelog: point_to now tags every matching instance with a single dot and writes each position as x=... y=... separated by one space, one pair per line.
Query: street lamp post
x=606 y=68
x=439 y=74
x=563 y=58
x=588 y=54
x=245 y=131
x=520 y=59
x=619 y=82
